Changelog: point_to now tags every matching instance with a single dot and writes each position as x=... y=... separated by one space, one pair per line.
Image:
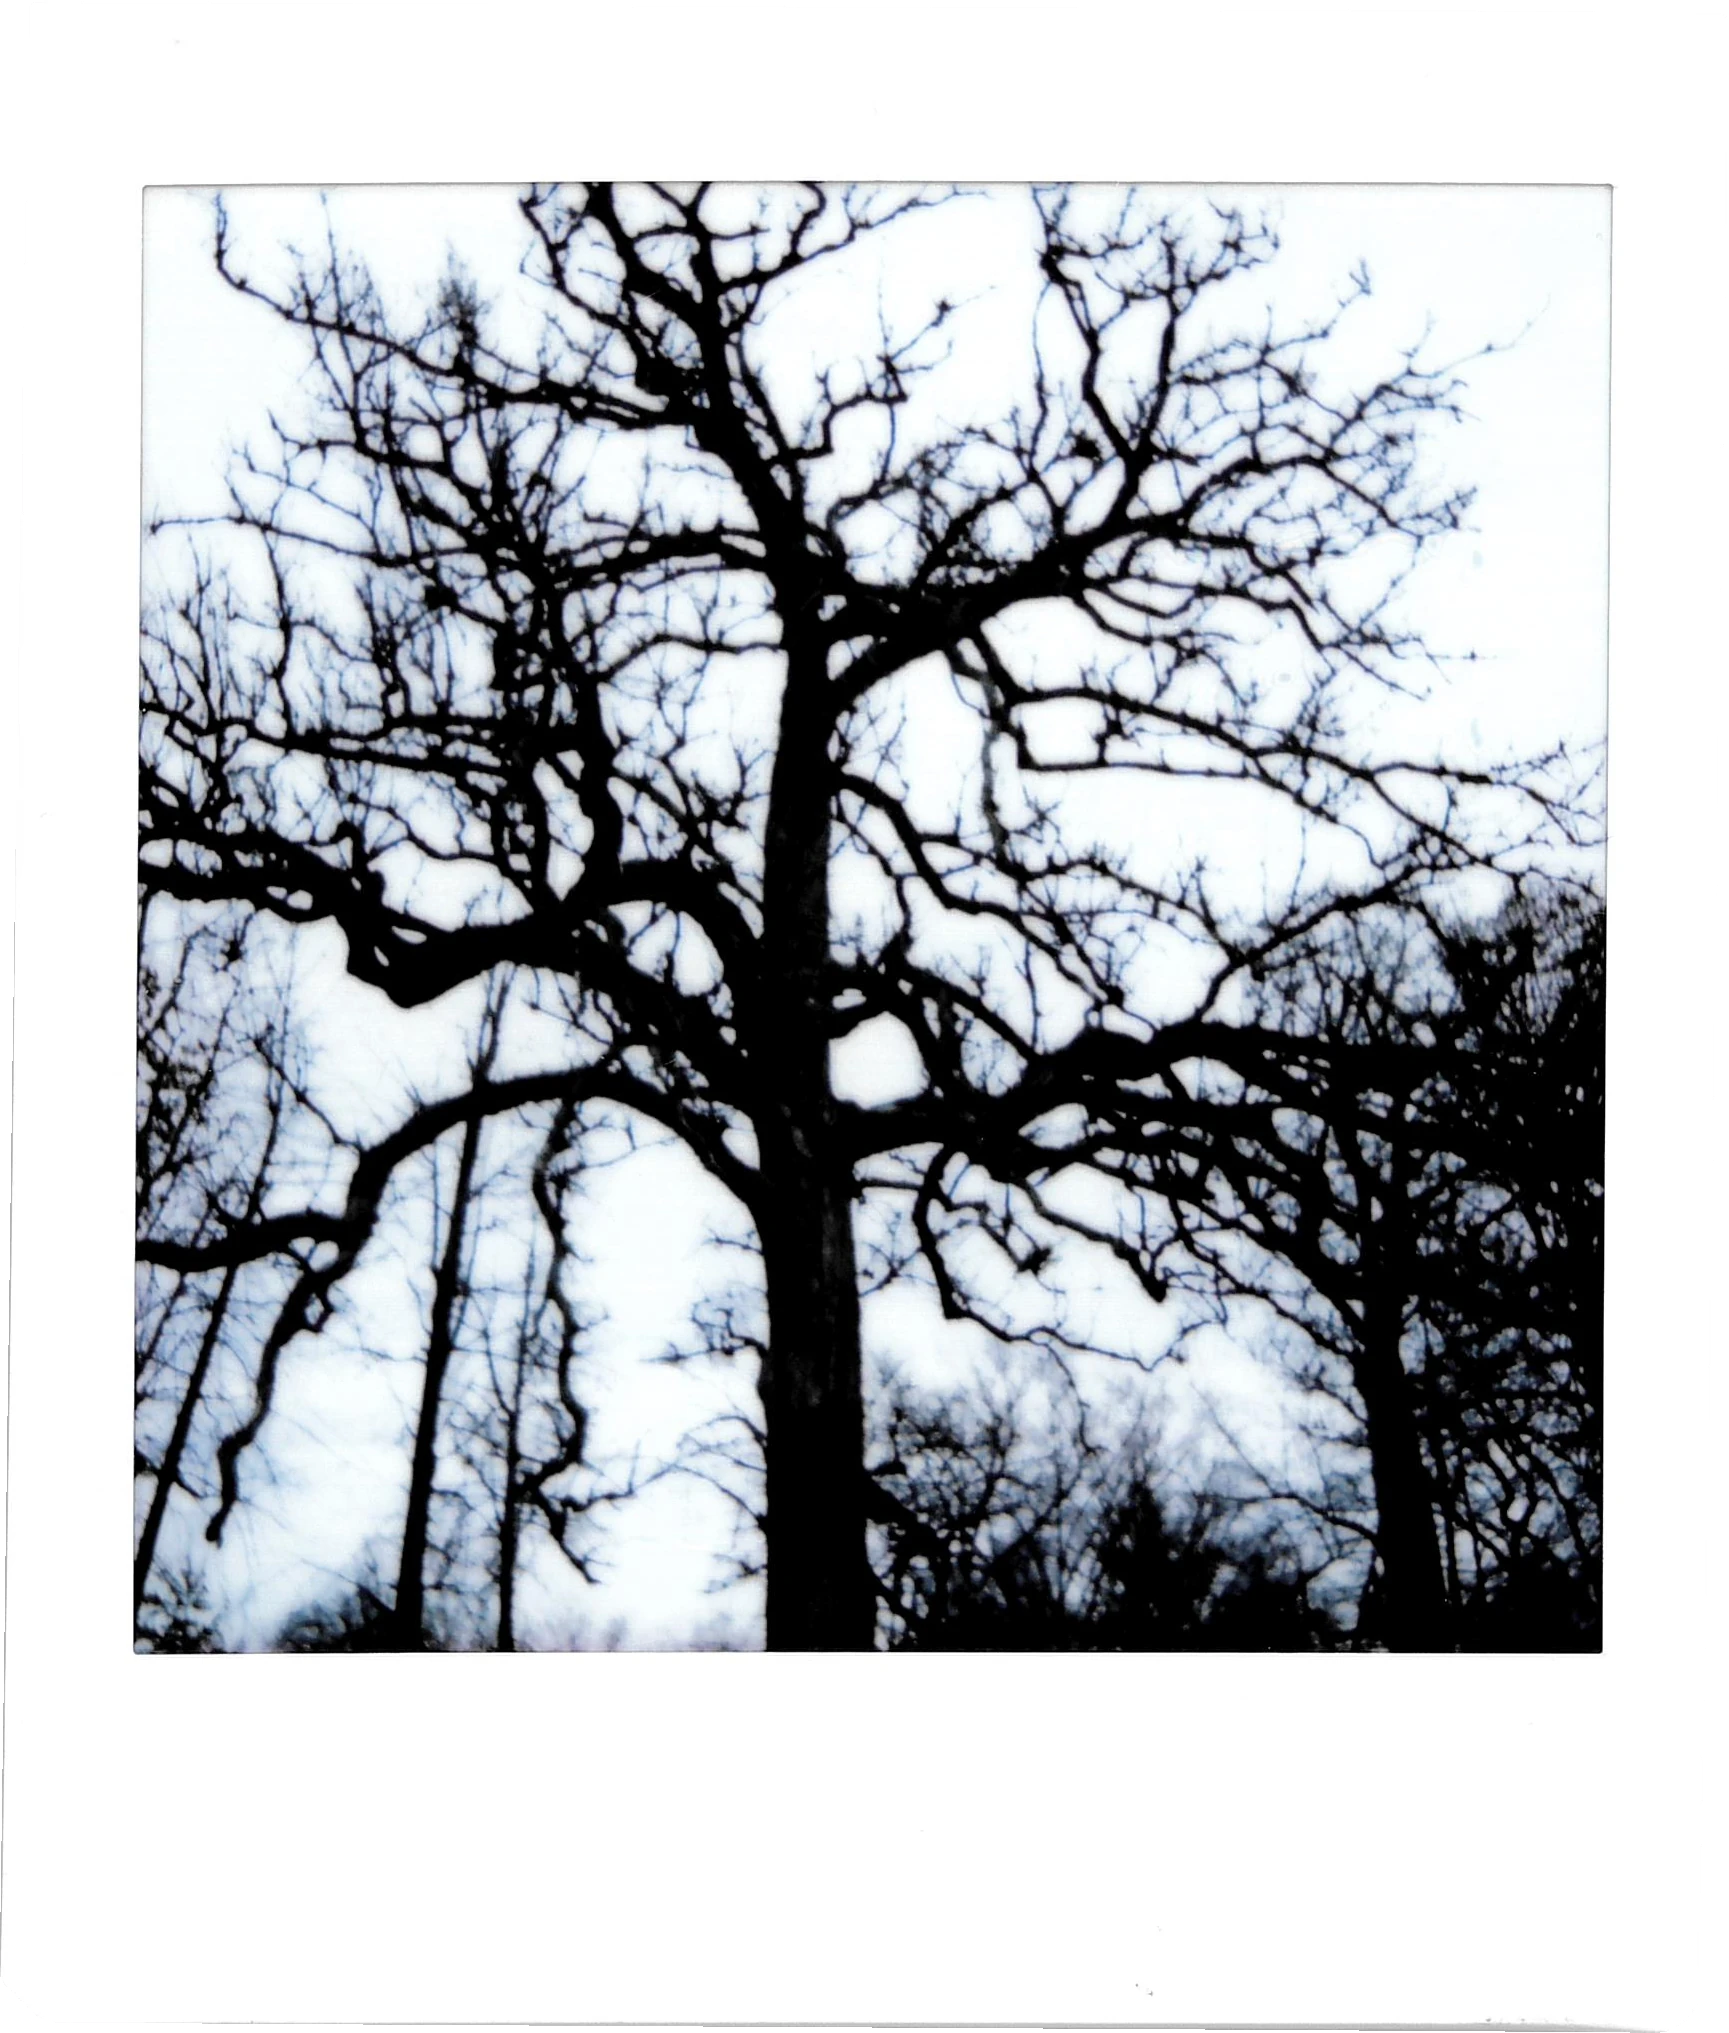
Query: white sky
x=1314 y=1770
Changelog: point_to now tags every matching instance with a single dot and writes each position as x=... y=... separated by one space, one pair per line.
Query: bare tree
x=1423 y=1208
x=1512 y=1366
x=521 y=1427
x=450 y=1291
x=214 y=1098
x=998 y=1536
x=619 y=635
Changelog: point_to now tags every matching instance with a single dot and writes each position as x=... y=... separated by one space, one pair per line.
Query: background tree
x=1513 y=1373
x=993 y=1540
x=617 y=634
x=452 y=1288
x=1424 y=1207
x=215 y=1098
x=517 y=1464
x=526 y=1429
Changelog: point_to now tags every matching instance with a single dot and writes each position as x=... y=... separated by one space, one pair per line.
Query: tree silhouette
x=526 y=1429
x=451 y=1288
x=500 y=1380
x=1513 y=1369
x=215 y=1080
x=994 y=1539
x=1426 y=1211
x=744 y=695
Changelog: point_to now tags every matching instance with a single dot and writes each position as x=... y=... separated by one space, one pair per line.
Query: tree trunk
x=820 y=1596
x=1413 y=1607
x=168 y=1470
x=1414 y=1592
x=509 y=1520
x=407 y=1622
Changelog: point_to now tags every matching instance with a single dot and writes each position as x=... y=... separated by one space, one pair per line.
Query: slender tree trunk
x=509 y=1520
x=168 y=1470
x=820 y=1596
x=408 y=1616
x=505 y=1637
x=1414 y=1604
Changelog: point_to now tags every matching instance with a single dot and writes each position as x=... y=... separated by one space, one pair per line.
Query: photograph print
x=872 y=918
